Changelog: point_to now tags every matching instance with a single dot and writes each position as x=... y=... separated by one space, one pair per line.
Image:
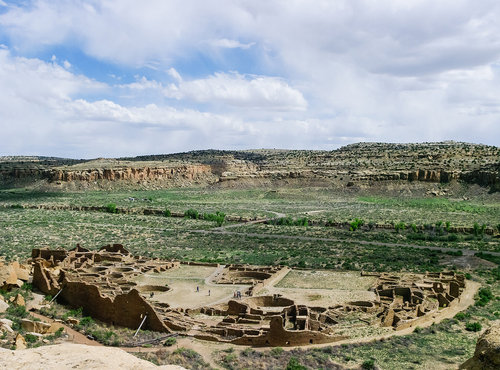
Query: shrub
x=186 y=352
x=473 y=326
x=17 y=311
x=485 y=295
x=293 y=364
x=170 y=342
x=478 y=230
x=167 y=213
x=356 y=224
x=247 y=352
x=302 y=222
x=192 y=214
x=30 y=338
x=277 y=351
x=218 y=217
x=460 y=316
x=288 y=221
x=414 y=227
x=86 y=321
x=368 y=364
x=111 y=208
x=399 y=226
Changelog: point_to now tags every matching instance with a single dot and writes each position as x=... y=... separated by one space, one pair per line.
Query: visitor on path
x=208 y=291
x=197 y=289
x=151 y=295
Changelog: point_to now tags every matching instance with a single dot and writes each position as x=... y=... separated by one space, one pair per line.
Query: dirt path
x=73 y=335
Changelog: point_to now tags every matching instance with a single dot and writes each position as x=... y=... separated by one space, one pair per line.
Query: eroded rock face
x=487 y=353
x=352 y=165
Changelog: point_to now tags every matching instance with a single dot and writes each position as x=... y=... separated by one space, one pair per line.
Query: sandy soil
x=183 y=282
x=323 y=288
x=324 y=279
x=74 y=356
x=321 y=297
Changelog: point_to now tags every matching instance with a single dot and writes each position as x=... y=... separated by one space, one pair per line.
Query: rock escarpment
x=363 y=163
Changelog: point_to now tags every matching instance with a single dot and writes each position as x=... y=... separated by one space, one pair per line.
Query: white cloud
x=239 y=90
x=174 y=74
x=231 y=44
x=37 y=81
x=229 y=89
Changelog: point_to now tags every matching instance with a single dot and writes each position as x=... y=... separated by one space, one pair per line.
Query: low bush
x=192 y=214
x=30 y=338
x=111 y=208
x=400 y=226
x=294 y=364
x=288 y=221
x=277 y=351
x=356 y=224
x=485 y=295
x=218 y=217
x=170 y=342
x=473 y=326
x=368 y=364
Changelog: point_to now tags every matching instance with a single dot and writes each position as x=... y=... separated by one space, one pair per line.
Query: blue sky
x=88 y=78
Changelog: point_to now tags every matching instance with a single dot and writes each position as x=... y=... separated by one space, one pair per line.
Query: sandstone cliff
x=363 y=163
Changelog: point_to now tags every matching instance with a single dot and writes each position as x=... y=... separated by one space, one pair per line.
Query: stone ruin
x=101 y=282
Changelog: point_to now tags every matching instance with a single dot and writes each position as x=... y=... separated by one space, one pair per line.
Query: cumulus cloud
x=228 y=89
x=240 y=90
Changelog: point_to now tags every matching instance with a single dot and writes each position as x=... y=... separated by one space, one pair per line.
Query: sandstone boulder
x=21 y=271
x=54 y=327
x=3 y=306
x=487 y=353
x=35 y=326
x=18 y=300
x=6 y=325
x=72 y=321
x=20 y=342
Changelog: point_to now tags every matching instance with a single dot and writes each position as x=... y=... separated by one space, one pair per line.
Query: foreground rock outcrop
x=487 y=354
x=74 y=356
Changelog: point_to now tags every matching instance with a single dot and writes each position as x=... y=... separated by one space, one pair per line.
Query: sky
x=112 y=78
